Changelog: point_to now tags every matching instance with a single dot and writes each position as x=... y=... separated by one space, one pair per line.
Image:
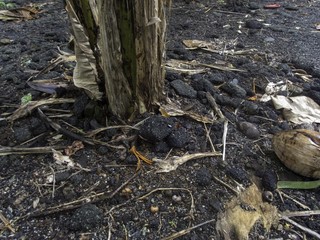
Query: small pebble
x=250 y=108
x=178 y=138
x=291 y=7
x=156 y=128
x=85 y=218
x=203 y=177
x=176 y=198
x=249 y=129
x=183 y=89
x=253 y=24
x=267 y=196
x=269 y=180
x=234 y=89
x=269 y=39
x=154 y=209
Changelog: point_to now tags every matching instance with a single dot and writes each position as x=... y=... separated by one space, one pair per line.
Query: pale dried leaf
x=49 y=178
x=18 y=14
x=94 y=10
x=153 y=20
x=299 y=109
x=172 y=109
x=62 y=159
x=239 y=220
x=26 y=109
x=274 y=88
x=184 y=67
x=190 y=66
x=35 y=202
x=199 y=44
x=85 y=73
x=217 y=46
x=172 y=163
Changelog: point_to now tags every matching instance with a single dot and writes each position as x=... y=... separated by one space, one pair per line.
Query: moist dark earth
x=105 y=196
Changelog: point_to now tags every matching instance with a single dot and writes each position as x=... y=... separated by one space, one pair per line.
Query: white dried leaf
x=85 y=73
x=35 y=202
x=62 y=159
x=299 y=109
x=153 y=21
x=49 y=179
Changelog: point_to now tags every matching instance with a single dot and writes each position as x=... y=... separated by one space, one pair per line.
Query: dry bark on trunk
x=127 y=38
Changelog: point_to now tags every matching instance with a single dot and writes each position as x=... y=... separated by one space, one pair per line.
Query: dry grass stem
x=224 y=139
x=305 y=229
x=186 y=231
x=281 y=193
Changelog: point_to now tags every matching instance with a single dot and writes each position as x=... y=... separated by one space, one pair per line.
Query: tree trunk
x=121 y=42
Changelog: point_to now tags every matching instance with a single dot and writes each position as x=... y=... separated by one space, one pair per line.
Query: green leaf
x=26 y=98
x=298 y=184
x=2 y=5
x=10 y=5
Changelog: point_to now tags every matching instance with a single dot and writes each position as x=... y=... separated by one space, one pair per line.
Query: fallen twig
x=281 y=193
x=214 y=106
x=7 y=223
x=236 y=192
x=224 y=139
x=301 y=213
x=19 y=150
x=185 y=231
x=77 y=203
x=28 y=107
x=209 y=138
x=305 y=229
x=96 y=131
x=66 y=132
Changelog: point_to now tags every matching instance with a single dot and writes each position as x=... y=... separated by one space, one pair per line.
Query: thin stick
x=53 y=181
x=185 y=231
x=77 y=203
x=99 y=130
x=214 y=105
x=62 y=130
x=209 y=138
x=7 y=223
x=292 y=199
x=301 y=213
x=17 y=150
x=32 y=139
x=226 y=185
x=168 y=154
x=305 y=229
x=224 y=139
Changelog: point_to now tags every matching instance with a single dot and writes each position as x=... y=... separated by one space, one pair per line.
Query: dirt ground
x=100 y=195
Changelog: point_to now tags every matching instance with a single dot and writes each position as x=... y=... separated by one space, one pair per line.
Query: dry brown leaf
x=27 y=108
x=18 y=14
x=184 y=67
x=215 y=47
x=172 y=109
x=194 y=67
x=76 y=146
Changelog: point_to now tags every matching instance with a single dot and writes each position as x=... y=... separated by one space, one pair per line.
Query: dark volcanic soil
x=44 y=200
